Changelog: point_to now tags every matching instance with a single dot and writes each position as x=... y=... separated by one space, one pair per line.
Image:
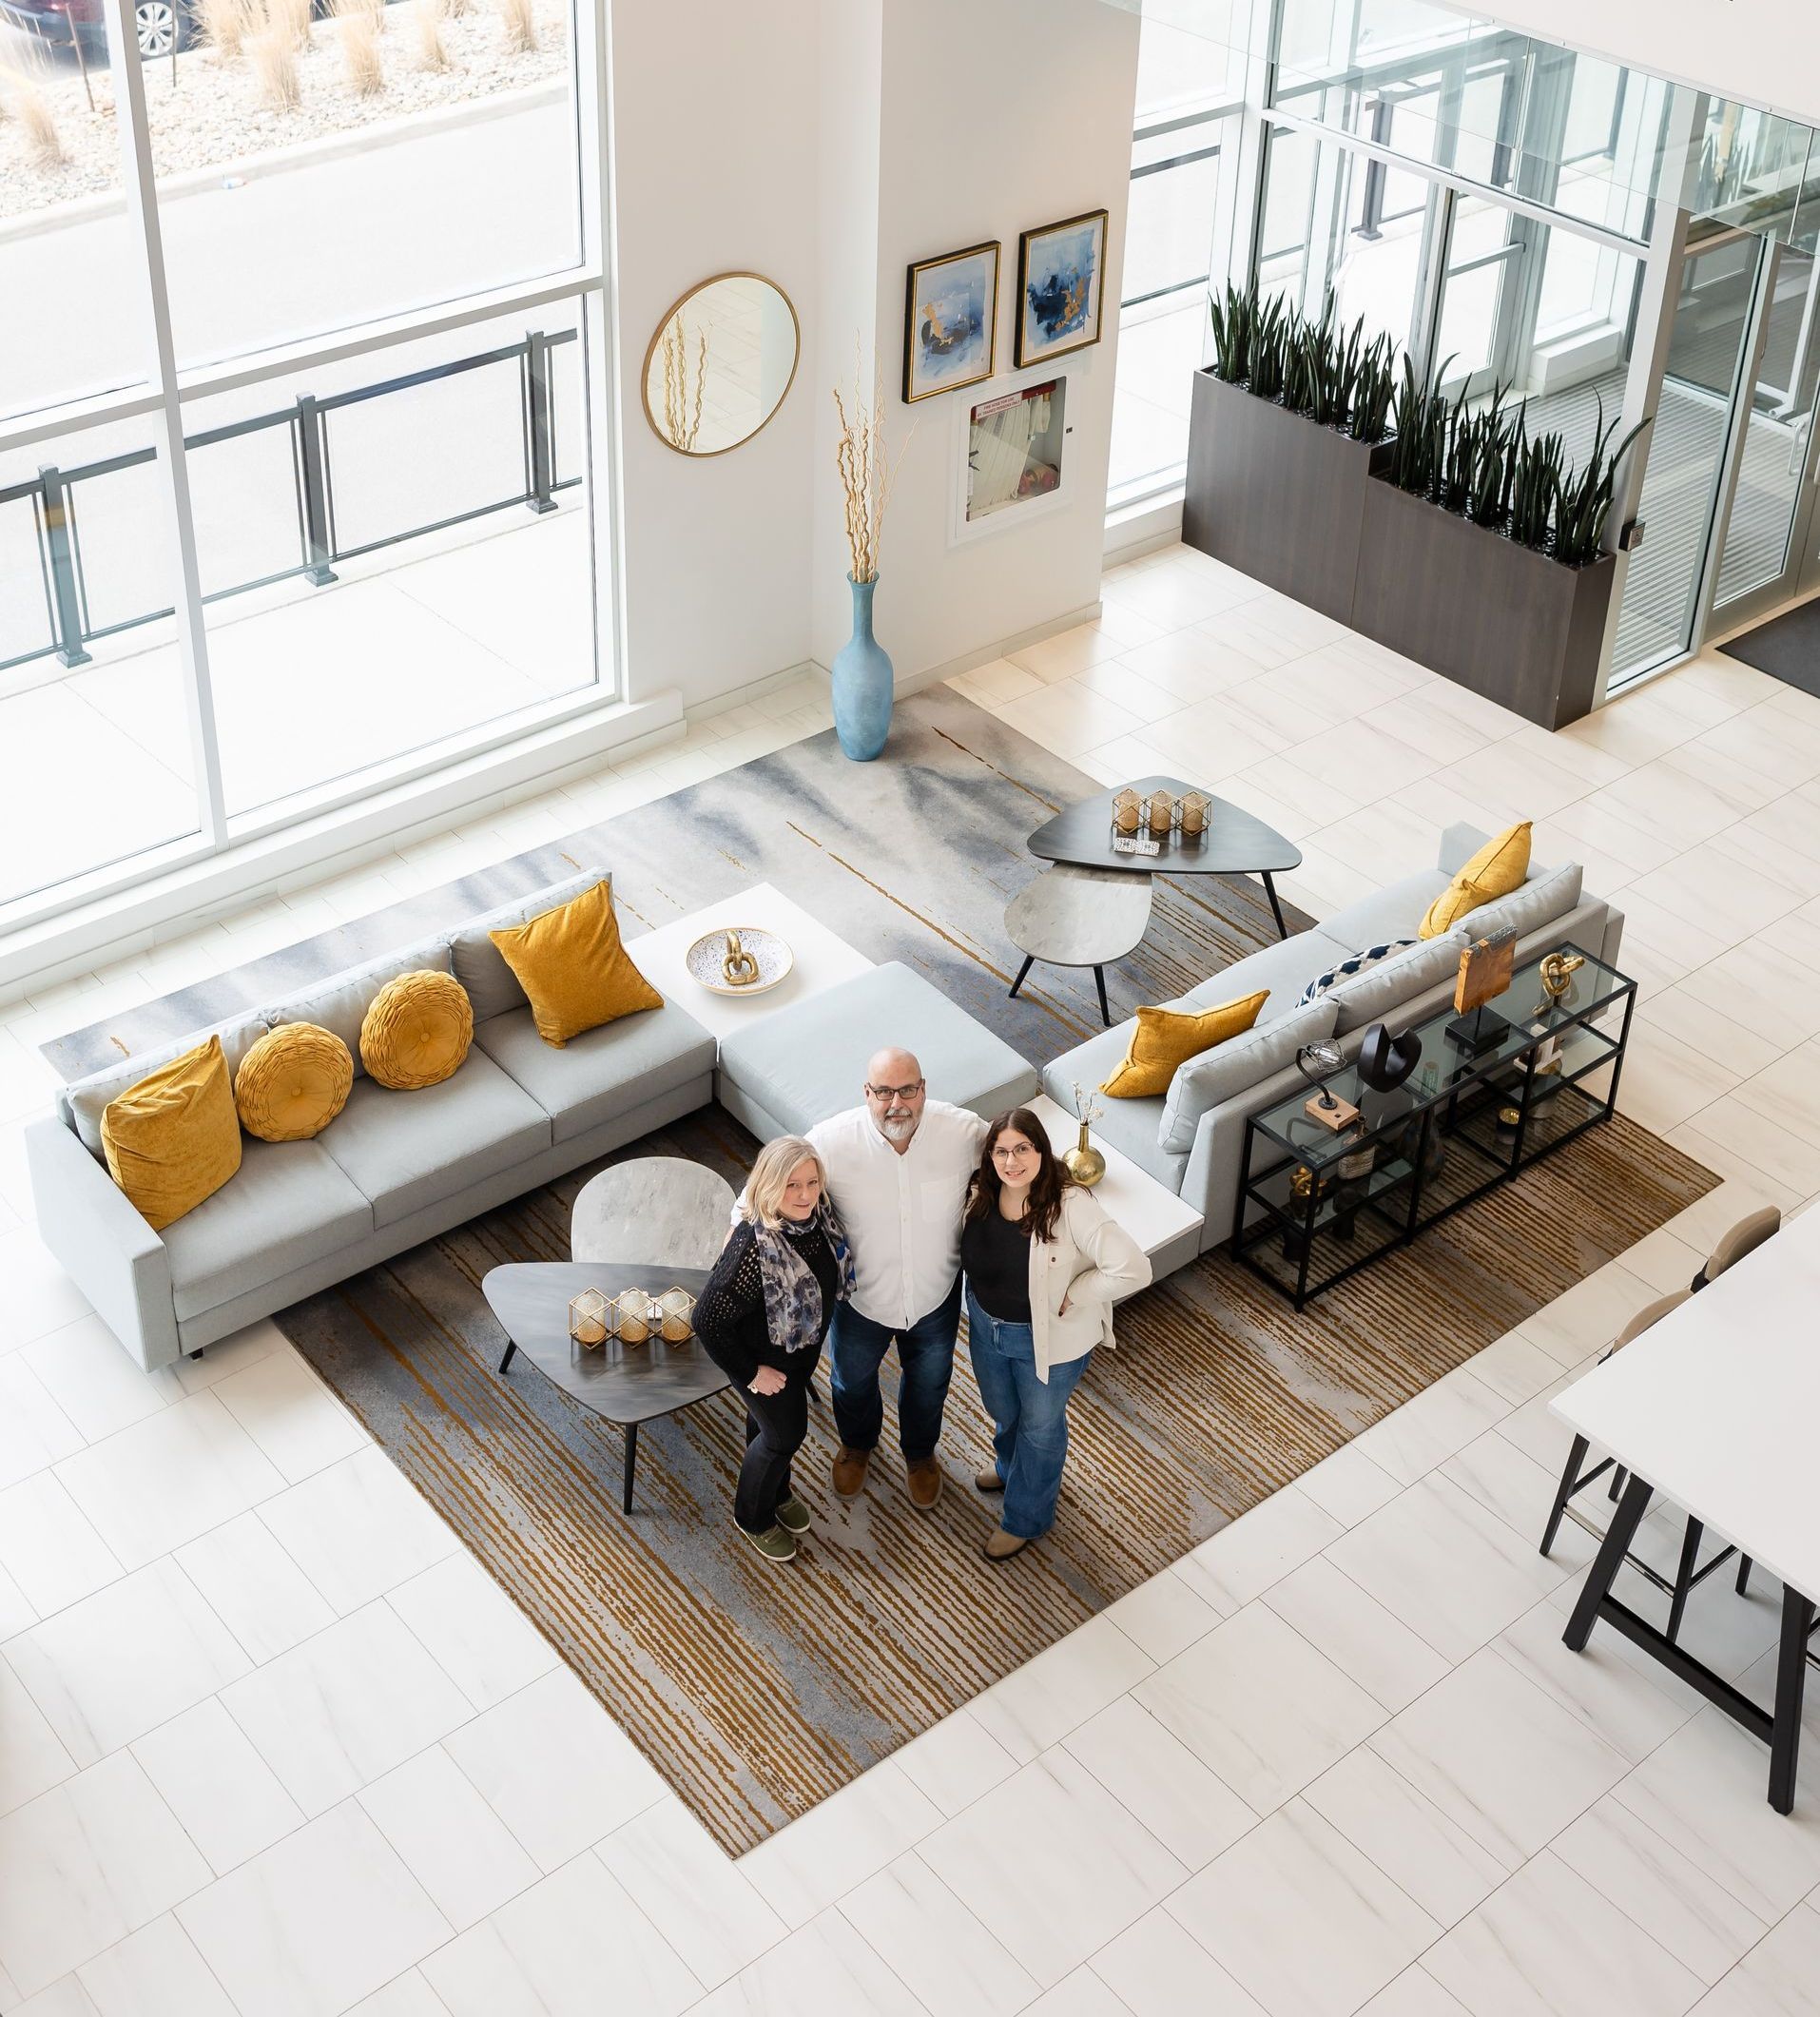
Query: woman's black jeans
x=775 y=1426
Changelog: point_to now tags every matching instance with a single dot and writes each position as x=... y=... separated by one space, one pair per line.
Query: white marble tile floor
x=272 y=1743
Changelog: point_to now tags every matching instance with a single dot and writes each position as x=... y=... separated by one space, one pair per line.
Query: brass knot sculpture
x=1558 y=971
x=739 y=966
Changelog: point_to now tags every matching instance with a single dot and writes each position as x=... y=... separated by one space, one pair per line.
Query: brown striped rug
x=756 y=1691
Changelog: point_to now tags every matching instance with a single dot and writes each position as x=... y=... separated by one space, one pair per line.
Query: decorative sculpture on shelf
x=1317 y=1062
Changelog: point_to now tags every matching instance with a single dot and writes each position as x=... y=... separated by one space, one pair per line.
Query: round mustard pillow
x=293 y=1082
x=416 y=1031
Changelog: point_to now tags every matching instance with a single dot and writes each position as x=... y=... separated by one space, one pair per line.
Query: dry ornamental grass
x=223 y=25
x=272 y=54
x=427 y=18
x=520 y=25
x=358 y=26
x=291 y=18
x=23 y=97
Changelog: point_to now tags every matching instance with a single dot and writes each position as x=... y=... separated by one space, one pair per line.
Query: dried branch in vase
x=684 y=384
x=866 y=473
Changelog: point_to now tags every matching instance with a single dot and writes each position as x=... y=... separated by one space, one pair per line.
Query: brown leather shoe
x=1001 y=1546
x=988 y=1480
x=849 y=1471
x=924 y=1478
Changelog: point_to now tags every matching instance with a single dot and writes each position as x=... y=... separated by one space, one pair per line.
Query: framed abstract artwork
x=1059 y=272
x=950 y=321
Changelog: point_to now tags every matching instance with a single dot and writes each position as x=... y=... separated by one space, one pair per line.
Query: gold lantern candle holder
x=633 y=1316
x=675 y=1310
x=1126 y=810
x=1195 y=808
x=589 y=1320
x=1161 y=814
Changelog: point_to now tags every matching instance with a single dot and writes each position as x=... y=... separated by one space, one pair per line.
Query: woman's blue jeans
x=1029 y=1415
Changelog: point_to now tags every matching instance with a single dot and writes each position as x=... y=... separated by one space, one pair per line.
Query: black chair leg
x=510 y=1348
x=1563 y=1492
x=1030 y=960
x=632 y=1460
x=1619 y=1476
x=1744 y=1576
x=1100 y=982
x=1684 y=1575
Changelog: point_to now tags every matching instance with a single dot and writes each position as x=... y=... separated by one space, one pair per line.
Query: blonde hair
x=776 y=1164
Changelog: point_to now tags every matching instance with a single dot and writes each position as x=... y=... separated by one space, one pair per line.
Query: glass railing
x=89 y=586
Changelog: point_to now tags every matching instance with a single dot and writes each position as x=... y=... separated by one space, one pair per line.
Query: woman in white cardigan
x=1043 y=1264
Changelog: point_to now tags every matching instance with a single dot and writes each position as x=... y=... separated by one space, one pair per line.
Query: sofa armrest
x=1210 y=1181
x=112 y=1255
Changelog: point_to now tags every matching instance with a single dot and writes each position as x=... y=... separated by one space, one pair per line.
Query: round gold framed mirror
x=721 y=363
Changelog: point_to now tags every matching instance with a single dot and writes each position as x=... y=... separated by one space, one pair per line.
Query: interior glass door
x=1767 y=537
x=1710 y=345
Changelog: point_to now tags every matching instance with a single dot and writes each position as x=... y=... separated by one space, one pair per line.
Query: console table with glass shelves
x=1315 y=1205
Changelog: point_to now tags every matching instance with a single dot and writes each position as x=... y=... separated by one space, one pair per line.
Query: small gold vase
x=1084 y=1162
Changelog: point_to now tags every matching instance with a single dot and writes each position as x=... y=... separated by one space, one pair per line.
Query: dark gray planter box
x=1489 y=614
x=1274 y=495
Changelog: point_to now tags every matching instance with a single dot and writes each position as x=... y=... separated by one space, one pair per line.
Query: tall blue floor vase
x=863 y=683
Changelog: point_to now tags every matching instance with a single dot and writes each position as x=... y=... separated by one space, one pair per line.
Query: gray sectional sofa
x=1193 y=1138
x=393 y=1169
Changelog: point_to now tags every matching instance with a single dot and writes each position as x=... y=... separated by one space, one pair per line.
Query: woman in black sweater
x=762 y=1318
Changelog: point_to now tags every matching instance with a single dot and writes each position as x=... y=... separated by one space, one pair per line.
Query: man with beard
x=898 y=1171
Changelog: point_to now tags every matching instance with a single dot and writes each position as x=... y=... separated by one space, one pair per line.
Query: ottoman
x=800 y=1064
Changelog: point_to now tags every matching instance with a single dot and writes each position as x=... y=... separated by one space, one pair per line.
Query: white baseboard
x=1140 y=528
x=933 y=675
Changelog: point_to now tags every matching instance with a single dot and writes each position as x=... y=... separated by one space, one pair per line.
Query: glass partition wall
x=293 y=513
x=1544 y=225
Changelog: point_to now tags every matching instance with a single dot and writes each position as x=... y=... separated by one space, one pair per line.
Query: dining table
x=1715 y=1408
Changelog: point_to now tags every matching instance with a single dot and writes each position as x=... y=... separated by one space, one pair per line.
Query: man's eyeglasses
x=908 y=1091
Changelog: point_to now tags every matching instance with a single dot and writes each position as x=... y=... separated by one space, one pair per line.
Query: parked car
x=158 y=26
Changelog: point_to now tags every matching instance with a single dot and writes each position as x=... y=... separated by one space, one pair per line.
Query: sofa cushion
x=174 y=1139
x=1350 y=969
x=293 y=1082
x=571 y=964
x=416 y=1031
x=1395 y=911
x=1499 y=867
x=1162 y=1040
x=1285 y=969
x=1235 y=1066
x=1380 y=990
x=340 y=1003
x=804 y=1062
x=290 y=1204
x=491 y=985
x=405 y=1150
x=82 y=1105
x=1549 y=895
x=600 y=1074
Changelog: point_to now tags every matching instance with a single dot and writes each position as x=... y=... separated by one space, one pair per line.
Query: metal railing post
x=319 y=542
x=543 y=456
x=64 y=594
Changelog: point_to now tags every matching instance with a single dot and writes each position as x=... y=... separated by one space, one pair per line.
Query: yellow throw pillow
x=1499 y=867
x=1166 y=1037
x=416 y=1031
x=174 y=1139
x=293 y=1082
x=571 y=964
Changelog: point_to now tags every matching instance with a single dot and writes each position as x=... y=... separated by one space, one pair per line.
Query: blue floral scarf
x=792 y=1294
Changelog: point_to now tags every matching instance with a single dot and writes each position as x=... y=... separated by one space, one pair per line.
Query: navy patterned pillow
x=1348 y=968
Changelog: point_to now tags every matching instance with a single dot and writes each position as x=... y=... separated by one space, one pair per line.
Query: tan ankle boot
x=1001 y=1546
x=849 y=1471
x=925 y=1479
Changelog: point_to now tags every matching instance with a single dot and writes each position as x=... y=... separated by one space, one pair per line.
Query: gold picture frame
x=1089 y=229
x=929 y=320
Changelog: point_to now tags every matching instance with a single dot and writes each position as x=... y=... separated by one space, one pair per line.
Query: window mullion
x=141 y=208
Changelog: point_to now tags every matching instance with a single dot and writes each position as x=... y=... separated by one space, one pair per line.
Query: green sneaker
x=774 y=1543
x=792 y=1515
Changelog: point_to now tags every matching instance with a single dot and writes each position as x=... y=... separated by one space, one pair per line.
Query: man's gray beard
x=899 y=1128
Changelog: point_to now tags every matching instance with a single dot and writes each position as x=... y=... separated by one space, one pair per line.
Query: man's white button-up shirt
x=902 y=1212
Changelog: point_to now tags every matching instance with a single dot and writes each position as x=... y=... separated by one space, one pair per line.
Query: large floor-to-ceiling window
x=299 y=424
x=1536 y=225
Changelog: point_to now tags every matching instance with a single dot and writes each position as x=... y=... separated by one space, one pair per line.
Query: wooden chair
x=1574 y=1480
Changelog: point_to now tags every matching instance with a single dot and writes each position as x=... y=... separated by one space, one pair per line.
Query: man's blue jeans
x=1028 y=1416
x=926 y=1360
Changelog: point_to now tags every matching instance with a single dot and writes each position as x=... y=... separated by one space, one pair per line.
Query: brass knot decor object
x=738 y=967
x=1558 y=971
x=588 y=1319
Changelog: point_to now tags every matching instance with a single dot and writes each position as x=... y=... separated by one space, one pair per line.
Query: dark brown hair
x=1042 y=1204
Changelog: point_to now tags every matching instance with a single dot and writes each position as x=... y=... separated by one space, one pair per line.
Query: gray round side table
x=1079 y=917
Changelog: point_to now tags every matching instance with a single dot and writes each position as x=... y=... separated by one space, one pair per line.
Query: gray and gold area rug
x=758 y=1691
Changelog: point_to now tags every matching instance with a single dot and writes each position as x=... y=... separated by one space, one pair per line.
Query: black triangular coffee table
x=1234 y=842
